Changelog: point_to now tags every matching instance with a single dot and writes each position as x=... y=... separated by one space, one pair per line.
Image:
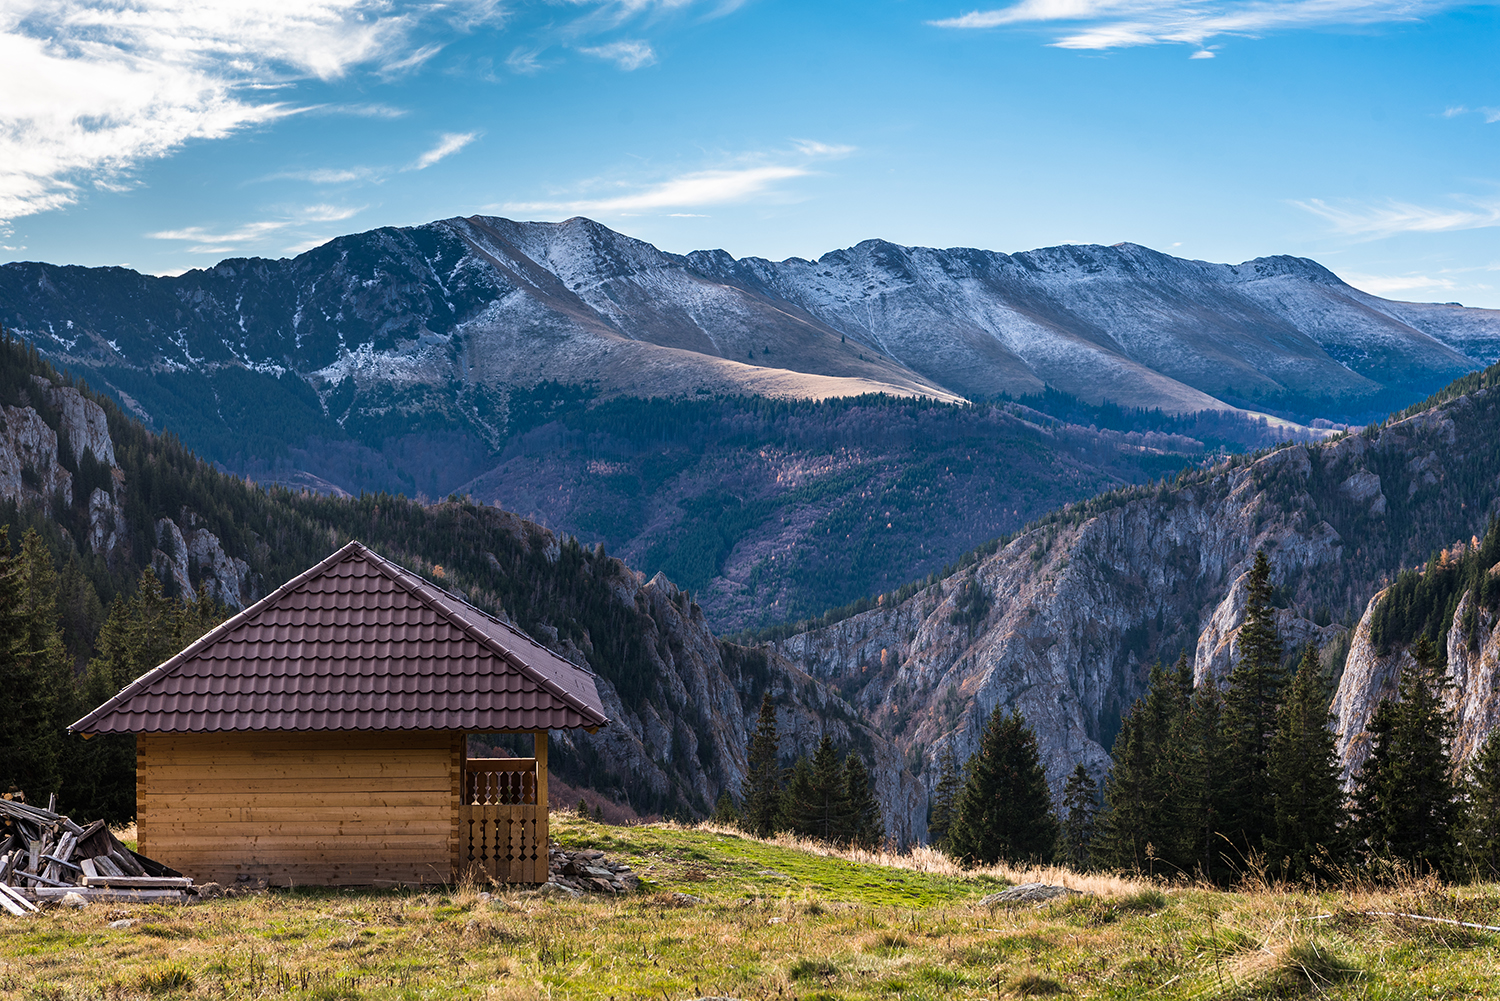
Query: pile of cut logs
x=45 y=856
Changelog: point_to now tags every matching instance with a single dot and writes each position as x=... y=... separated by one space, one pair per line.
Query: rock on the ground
x=588 y=871
x=1028 y=893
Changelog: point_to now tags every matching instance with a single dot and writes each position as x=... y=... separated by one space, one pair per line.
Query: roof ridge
x=418 y=587
x=166 y=667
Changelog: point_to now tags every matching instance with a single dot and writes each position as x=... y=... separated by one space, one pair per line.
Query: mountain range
x=623 y=395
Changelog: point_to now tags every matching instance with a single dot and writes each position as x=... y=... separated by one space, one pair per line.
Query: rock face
x=1063 y=622
x=1472 y=694
x=33 y=453
x=694 y=734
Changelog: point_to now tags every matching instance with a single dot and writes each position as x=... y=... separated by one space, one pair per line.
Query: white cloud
x=1121 y=23
x=627 y=55
x=1386 y=284
x=448 y=144
x=1202 y=54
x=524 y=61
x=204 y=240
x=757 y=176
x=328 y=175
x=93 y=88
x=704 y=187
x=1490 y=115
x=1391 y=217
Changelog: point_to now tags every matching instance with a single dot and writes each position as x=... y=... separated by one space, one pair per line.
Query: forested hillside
x=164 y=545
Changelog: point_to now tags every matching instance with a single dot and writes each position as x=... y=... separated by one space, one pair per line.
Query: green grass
x=775 y=924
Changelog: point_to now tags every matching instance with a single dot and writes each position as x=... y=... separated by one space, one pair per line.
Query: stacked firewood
x=46 y=856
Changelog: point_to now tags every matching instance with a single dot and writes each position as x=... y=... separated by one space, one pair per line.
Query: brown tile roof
x=356 y=643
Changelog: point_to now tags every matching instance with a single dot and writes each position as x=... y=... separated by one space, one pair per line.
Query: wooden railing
x=502 y=819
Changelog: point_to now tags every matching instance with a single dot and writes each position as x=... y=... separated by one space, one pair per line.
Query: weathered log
x=101 y=893
x=107 y=866
x=140 y=882
x=88 y=867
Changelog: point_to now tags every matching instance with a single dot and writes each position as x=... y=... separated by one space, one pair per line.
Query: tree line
x=1214 y=782
x=95 y=776
x=821 y=796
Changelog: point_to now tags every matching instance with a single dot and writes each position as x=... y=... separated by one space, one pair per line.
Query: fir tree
x=1143 y=820
x=1250 y=717
x=1081 y=801
x=1405 y=803
x=141 y=632
x=944 y=800
x=795 y=797
x=1202 y=788
x=864 y=826
x=34 y=671
x=762 y=788
x=1481 y=837
x=1123 y=826
x=819 y=808
x=725 y=812
x=1005 y=810
x=1310 y=817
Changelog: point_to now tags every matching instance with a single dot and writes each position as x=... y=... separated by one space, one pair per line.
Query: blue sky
x=167 y=134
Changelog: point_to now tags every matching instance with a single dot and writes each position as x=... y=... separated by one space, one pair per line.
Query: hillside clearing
x=770 y=920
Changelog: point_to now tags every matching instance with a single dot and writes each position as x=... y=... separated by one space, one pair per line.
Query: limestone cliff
x=1064 y=621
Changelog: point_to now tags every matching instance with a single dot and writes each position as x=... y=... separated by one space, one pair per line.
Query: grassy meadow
x=770 y=921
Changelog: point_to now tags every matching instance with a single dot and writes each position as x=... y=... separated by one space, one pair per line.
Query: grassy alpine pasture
x=772 y=921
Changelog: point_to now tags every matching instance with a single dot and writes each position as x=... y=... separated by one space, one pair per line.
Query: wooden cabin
x=318 y=737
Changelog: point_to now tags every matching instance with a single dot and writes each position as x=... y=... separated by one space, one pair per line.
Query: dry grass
x=779 y=922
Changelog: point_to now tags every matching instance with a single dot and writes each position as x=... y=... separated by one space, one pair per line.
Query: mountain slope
x=1064 y=621
x=110 y=500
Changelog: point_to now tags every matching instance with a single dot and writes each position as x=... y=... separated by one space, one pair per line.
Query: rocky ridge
x=1064 y=621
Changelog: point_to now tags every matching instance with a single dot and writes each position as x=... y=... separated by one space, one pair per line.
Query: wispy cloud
x=329 y=175
x=93 y=88
x=1390 y=217
x=448 y=144
x=1490 y=115
x=1388 y=284
x=626 y=55
x=1111 y=24
x=756 y=176
x=206 y=240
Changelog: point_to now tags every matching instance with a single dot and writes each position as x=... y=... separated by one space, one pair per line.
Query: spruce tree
x=1203 y=782
x=1005 y=810
x=1250 y=718
x=142 y=631
x=820 y=809
x=1123 y=827
x=725 y=812
x=1406 y=802
x=864 y=826
x=1080 y=803
x=1481 y=837
x=795 y=799
x=762 y=789
x=944 y=800
x=34 y=671
x=1310 y=816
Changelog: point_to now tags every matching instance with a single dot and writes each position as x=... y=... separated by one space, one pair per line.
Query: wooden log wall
x=324 y=809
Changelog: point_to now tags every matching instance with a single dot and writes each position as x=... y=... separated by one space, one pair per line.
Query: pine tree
x=864 y=827
x=1250 y=717
x=1310 y=816
x=34 y=671
x=1123 y=826
x=1081 y=803
x=1005 y=810
x=762 y=789
x=819 y=808
x=141 y=632
x=1203 y=781
x=1481 y=837
x=944 y=800
x=1143 y=822
x=725 y=811
x=796 y=797
x=1405 y=803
